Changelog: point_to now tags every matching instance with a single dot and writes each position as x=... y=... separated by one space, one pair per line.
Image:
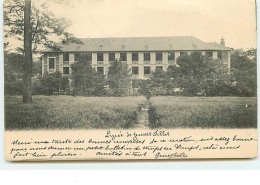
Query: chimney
x=222 y=42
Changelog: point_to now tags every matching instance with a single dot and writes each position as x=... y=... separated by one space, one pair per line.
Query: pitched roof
x=178 y=43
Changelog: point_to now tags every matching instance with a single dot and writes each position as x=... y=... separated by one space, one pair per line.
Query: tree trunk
x=27 y=67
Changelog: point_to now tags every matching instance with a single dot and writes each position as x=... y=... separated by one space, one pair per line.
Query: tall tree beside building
x=155 y=85
x=45 y=27
x=86 y=81
x=197 y=74
x=35 y=26
x=118 y=79
x=27 y=66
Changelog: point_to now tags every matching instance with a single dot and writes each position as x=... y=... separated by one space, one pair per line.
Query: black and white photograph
x=133 y=65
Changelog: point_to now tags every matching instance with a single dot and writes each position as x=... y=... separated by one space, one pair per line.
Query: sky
x=207 y=20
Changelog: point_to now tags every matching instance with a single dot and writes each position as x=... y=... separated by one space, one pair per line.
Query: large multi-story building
x=142 y=54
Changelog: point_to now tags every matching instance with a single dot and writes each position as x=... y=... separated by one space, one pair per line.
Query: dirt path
x=143 y=116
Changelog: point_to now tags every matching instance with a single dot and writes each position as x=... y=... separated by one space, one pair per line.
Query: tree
x=27 y=66
x=86 y=81
x=155 y=85
x=48 y=84
x=218 y=82
x=145 y=88
x=36 y=26
x=198 y=74
x=118 y=78
x=13 y=61
x=173 y=80
x=162 y=82
x=244 y=69
x=46 y=29
x=13 y=73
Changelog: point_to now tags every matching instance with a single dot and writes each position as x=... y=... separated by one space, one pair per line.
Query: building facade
x=142 y=54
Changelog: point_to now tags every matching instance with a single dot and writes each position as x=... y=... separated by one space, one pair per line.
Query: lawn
x=207 y=112
x=67 y=112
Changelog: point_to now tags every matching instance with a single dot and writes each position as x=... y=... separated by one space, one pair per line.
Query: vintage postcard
x=132 y=79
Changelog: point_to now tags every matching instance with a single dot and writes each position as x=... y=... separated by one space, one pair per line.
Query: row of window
x=135 y=70
x=135 y=57
x=123 y=56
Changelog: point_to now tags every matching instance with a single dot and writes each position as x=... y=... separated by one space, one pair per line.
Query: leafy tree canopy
x=48 y=84
x=198 y=74
x=118 y=78
x=46 y=28
x=86 y=81
x=244 y=69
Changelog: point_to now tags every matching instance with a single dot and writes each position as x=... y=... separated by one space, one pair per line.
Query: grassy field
x=66 y=112
x=207 y=112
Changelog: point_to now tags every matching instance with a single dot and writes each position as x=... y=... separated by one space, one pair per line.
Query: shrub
x=130 y=119
x=13 y=83
x=14 y=88
x=154 y=118
x=48 y=84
